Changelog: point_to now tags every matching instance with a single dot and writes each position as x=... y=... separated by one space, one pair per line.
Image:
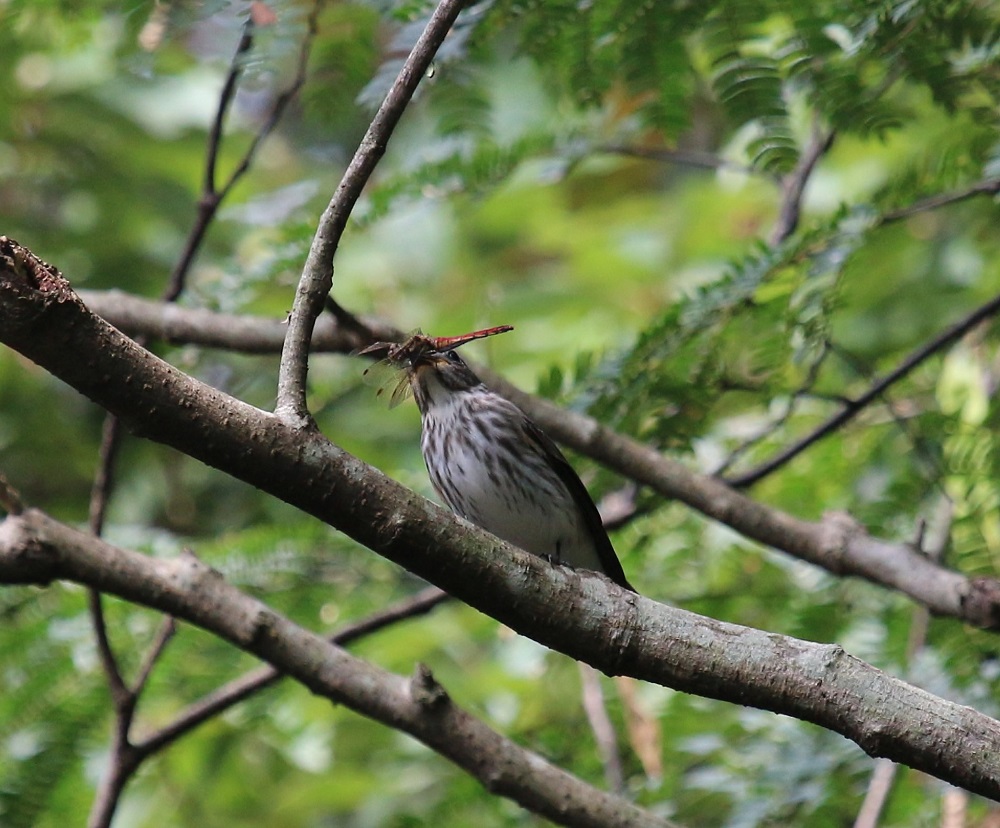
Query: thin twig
x=10 y=498
x=281 y=102
x=103 y=483
x=954 y=809
x=225 y=100
x=592 y=695
x=121 y=758
x=644 y=729
x=988 y=186
x=855 y=406
x=212 y=196
x=683 y=158
x=793 y=185
x=348 y=321
x=317 y=274
x=885 y=771
x=899 y=417
x=99 y=494
x=779 y=422
x=242 y=688
x=166 y=632
x=879 y=787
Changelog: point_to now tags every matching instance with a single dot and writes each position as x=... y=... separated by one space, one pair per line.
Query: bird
x=492 y=465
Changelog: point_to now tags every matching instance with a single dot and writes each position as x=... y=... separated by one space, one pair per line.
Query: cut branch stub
x=37 y=275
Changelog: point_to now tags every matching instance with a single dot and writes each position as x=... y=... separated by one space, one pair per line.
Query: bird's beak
x=426 y=360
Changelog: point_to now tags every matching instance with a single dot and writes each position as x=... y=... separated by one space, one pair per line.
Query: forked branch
x=317 y=275
x=577 y=613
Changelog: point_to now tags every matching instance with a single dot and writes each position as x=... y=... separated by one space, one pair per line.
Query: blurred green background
x=649 y=292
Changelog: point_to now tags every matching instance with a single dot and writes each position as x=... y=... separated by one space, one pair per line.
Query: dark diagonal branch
x=988 y=186
x=210 y=199
x=225 y=101
x=855 y=406
x=317 y=275
x=896 y=412
x=167 y=629
x=779 y=422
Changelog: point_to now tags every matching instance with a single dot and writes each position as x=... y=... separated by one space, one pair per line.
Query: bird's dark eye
x=453 y=358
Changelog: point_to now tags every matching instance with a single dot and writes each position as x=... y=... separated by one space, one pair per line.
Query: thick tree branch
x=697 y=654
x=581 y=614
x=36 y=549
x=317 y=275
x=832 y=544
x=249 y=334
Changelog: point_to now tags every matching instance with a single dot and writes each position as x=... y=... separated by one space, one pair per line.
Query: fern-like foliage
x=645 y=64
x=746 y=78
x=50 y=709
x=778 y=298
x=634 y=52
x=457 y=165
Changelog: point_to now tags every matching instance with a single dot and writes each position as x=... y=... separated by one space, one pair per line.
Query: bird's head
x=435 y=375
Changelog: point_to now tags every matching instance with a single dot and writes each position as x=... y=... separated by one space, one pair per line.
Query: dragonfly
x=388 y=372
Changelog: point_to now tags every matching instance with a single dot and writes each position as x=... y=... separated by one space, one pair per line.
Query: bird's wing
x=610 y=564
